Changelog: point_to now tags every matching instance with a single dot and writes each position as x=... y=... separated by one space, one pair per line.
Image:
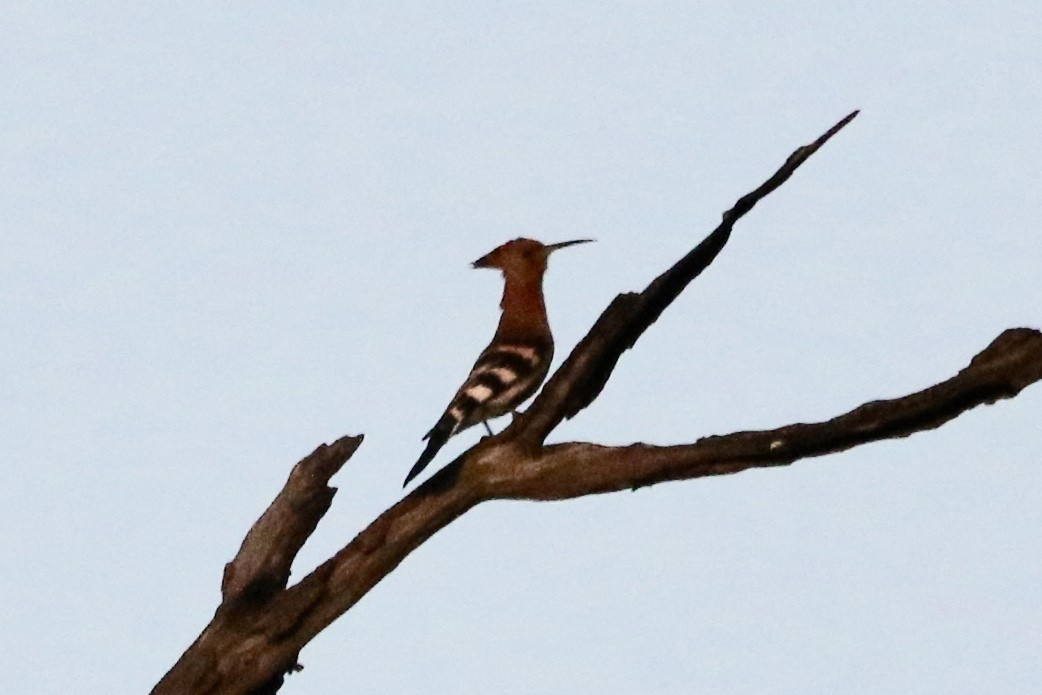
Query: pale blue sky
x=232 y=232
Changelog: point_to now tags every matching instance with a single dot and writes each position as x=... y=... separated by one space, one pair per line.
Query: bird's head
x=523 y=257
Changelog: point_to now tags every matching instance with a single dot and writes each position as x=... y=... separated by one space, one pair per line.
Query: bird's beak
x=484 y=262
x=550 y=248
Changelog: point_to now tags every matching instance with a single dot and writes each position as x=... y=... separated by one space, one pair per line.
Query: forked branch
x=261 y=625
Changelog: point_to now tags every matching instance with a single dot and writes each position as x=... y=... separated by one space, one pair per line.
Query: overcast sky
x=231 y=232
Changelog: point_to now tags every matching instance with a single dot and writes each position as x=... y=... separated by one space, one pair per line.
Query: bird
x=513 y=366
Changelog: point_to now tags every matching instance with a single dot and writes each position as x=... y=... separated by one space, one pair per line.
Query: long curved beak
x=550 y=248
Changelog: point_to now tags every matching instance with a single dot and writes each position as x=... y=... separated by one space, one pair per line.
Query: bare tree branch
x=1010 y=363
x=263 y=563
x=583 y=375
x=261 y=625
x=225 y=657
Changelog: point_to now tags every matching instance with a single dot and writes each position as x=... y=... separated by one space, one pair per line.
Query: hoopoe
x=517 y=360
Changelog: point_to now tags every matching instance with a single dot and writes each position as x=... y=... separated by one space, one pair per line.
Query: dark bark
x=262 y=623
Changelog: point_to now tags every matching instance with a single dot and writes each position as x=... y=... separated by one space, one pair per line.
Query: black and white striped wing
x=504 y=377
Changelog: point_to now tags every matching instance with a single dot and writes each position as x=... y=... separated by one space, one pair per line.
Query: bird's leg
x=487 y=428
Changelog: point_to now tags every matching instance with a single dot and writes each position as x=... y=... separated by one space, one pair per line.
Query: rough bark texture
x=262 y=624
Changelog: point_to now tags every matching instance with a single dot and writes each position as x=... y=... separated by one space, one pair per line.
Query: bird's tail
x=436 y=439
